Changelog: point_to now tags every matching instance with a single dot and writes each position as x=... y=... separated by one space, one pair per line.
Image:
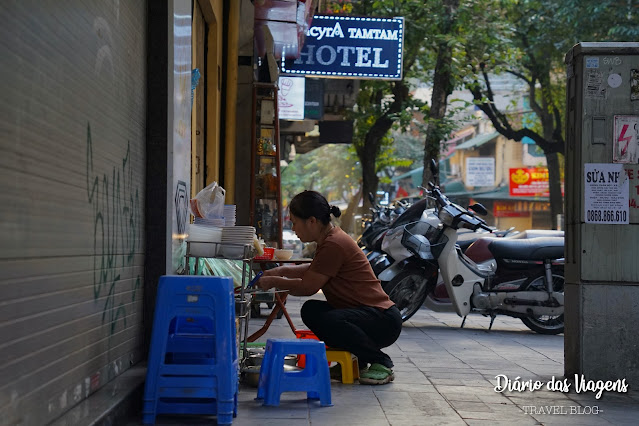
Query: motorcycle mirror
x=479 y=209
x=433 y=168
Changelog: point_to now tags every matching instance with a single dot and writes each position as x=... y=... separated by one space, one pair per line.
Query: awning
x=503 y=193
x=418 y=171
x=477 y=141
x=416 y=174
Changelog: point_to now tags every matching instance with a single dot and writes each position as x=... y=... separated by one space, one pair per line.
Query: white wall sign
x=480 y=171
x=290 y=98
x=626 y=141
x=606 y=194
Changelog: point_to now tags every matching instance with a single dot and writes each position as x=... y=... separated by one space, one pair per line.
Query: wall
x=244 y=109
x=179 y=129
x=72 y=163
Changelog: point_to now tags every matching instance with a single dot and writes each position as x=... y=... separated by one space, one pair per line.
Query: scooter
x=383 y=219
x=377 y=222
x=523 y=278
x=391 y=251
x=480 y=253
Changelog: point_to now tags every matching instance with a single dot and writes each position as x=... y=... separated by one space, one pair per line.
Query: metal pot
x=251 y=374
x=255 y=359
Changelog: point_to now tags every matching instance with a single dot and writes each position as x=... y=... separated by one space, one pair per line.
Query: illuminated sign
x=351 y=47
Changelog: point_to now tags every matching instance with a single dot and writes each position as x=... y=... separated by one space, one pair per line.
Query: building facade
x=102 y=147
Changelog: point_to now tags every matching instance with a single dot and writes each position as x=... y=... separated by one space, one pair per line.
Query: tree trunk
x=369 y=173
x=369 y=151
x=554 y=183
x=442 y=88
x=346 y=219
x=550 y=141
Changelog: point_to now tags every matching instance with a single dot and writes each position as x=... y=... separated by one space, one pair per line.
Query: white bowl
x=202 y=249
x=283 y=254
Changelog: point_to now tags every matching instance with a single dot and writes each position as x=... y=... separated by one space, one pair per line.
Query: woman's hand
x=278 y=271
x=267 y=282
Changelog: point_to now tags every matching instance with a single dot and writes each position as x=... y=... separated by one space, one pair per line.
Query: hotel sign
x=351 y=47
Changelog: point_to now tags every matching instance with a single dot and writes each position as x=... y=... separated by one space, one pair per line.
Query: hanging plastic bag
x=209 y=202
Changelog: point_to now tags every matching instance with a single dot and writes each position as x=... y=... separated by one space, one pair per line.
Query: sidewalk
x=444 y=375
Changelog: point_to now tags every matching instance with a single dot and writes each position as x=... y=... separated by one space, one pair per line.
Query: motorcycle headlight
x=446 y=217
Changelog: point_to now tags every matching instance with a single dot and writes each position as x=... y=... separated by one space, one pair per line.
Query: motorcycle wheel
x=546 y=324
x=408 y=291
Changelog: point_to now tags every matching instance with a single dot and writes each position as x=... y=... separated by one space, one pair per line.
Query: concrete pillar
x=602 y=267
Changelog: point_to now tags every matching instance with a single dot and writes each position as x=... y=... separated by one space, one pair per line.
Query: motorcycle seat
x=539 y=248
x=535 y=233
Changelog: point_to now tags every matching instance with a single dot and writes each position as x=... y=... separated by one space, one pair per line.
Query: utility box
x=602 y=212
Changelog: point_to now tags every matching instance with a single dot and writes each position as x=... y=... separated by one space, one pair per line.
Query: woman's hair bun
x=335 y=211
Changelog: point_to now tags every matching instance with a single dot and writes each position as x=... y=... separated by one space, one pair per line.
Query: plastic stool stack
x=314 y=379
x=193 y=365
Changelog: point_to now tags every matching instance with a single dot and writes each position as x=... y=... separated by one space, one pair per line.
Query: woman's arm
x=308 y=285
x=288 y=270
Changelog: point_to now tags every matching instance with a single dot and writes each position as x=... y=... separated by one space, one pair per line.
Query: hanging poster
x=290 y=98
x=594 y=86
x=634 y=85
x=626 y=142
x=606 y=194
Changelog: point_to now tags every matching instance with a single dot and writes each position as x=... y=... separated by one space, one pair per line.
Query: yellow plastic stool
x=348 y=362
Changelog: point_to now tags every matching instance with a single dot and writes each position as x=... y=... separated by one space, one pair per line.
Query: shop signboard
x=528 y=182
x=509 y=209
x=314 y=99
x=351 y=47
x=480 y=171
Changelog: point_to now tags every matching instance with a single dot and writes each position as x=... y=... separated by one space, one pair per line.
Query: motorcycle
x=519 y=277
x=389 y=249
x=374 y=229
x=479 y=252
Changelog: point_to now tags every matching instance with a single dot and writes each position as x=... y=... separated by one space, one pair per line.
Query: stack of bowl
x=200 y=238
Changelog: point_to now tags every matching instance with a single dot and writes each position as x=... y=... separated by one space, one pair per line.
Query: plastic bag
x=217 y=268
x=209 y=202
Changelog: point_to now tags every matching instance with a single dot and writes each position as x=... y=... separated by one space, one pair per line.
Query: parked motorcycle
x=479 y=252
x=518 y=277
x=382 y=219
x=390 y=251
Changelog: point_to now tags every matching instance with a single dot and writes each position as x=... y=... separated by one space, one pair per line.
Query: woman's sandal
x=377 y=374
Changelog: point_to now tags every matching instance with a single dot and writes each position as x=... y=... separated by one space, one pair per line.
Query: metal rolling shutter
x=72 y=137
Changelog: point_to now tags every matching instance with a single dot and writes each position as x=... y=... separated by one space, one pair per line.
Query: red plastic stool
x=305 y=334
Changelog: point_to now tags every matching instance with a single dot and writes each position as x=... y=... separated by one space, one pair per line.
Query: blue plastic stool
x=193 y=363
x=314 y=378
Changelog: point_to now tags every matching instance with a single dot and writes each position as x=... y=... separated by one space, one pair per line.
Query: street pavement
x=444 y=375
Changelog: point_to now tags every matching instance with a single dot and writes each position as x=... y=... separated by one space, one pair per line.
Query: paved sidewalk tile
x=444 y=375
